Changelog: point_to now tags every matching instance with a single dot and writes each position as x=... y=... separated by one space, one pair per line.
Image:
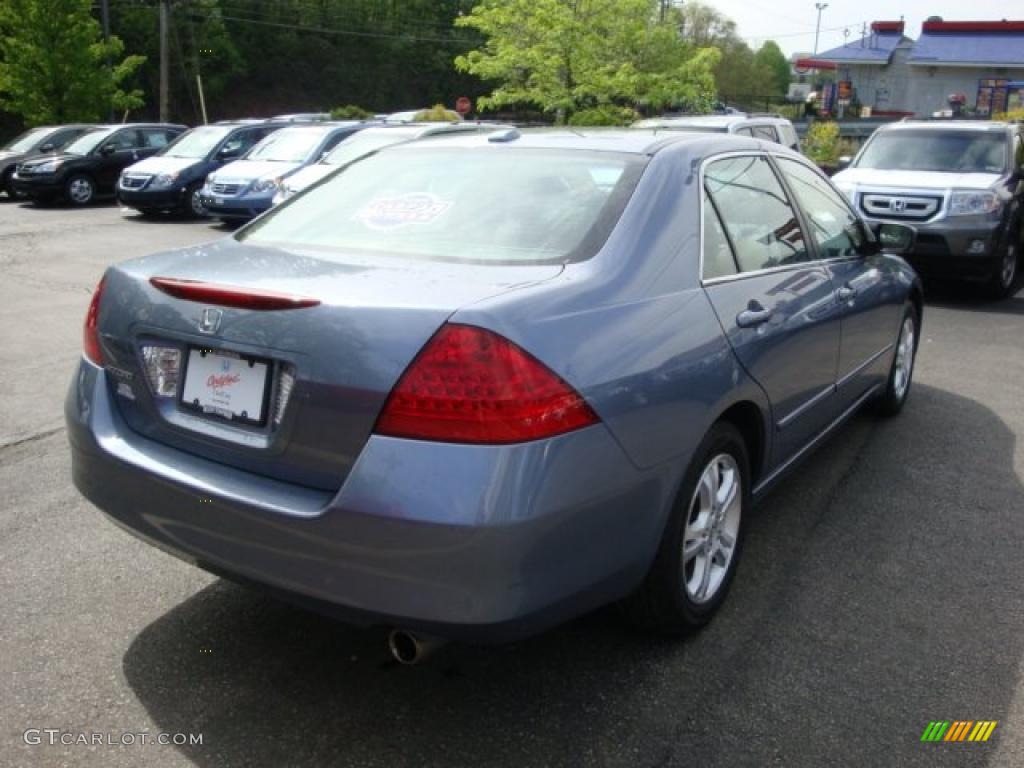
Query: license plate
x=218 y=201
x=223 y=384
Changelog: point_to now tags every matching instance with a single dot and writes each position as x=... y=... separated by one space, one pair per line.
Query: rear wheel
x=900 y=375
x=80 y=189
x=701 y=546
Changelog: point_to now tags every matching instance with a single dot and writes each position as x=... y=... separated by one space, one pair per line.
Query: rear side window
x=744 y=132
x=766 y=132
x=756 y=214
x=156 y=138
x=488 y=205
x=123 y=140
x=718 y=258
x=835 y=229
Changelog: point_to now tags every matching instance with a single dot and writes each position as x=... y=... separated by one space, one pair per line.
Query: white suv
x=773 y=128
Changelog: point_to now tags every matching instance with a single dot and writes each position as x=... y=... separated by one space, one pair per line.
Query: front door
x=870 y=313
x=778 y=307
x=116 y=153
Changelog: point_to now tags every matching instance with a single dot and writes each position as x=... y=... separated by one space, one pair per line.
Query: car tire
x=192 y=205
x=901 y=373
x=1004 y=279
x=686 y=585
x=7 y=185
x=79 y=189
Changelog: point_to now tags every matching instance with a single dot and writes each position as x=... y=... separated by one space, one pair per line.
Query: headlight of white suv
x=163 y=180
x=264 y=185
x=971 y=203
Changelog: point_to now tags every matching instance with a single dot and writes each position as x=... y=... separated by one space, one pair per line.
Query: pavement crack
x=31 y=438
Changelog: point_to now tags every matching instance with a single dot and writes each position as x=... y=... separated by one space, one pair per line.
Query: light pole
x=817 y=30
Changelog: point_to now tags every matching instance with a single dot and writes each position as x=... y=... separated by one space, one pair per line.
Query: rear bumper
x=481 y=544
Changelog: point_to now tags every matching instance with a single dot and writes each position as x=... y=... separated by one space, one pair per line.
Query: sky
x=790 y=23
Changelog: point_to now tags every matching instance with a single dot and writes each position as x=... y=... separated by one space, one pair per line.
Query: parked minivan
x=245 y=188
x=173 y=179
x=89 y=166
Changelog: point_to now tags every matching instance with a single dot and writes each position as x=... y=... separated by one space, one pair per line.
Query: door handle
x=753 y=315
x=847 y=293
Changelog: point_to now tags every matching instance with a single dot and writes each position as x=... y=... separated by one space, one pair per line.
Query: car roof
x=623 y=140
x=721 y=122
x=981 y=126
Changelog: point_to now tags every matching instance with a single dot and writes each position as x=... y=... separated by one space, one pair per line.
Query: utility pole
x=105 y=20
x=817 y=30
x=164 y=65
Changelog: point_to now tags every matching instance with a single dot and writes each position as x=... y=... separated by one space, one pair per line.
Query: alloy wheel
x=904 y=366
x=712 y=528
x=195 y=201
x=80 y=190
x=1009 y=268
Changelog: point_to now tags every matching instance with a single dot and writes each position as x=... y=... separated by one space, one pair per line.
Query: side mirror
x=895 y=238
x=108 y=149
x=844 y=162
x=48 y=147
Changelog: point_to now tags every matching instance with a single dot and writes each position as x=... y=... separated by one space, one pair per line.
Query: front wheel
x=897 y=388
x=1005 y=277
x=192 y=204
x=80 y=189
x=8 y=186
x=701 y=546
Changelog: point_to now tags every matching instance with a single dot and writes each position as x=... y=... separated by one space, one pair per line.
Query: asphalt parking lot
x=881 y=589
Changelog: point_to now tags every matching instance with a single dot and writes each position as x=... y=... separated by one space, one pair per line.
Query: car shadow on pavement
x=971 y=297
x=878 y=592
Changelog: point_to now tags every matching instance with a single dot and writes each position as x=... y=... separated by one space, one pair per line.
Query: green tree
x=567 y=55
x=774 y=68
x=54 y=67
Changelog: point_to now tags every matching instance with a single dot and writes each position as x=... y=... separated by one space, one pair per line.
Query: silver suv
x=773 y=128
x=959 y=183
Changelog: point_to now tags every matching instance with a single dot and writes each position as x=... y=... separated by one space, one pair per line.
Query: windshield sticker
x=388 y=213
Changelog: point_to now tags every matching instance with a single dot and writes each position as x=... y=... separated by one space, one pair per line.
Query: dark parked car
x=35 y=141
x=89 y=166
x=477 y=385
x=173 y=178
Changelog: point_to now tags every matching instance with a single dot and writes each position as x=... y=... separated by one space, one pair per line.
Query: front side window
x=756 y=214
x=490 y=205
x=835 y=229
x=932 y=150
x=766 y=132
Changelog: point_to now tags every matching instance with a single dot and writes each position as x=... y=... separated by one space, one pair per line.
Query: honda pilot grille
x=134 y=181
x=908 y=207
x=223 y=188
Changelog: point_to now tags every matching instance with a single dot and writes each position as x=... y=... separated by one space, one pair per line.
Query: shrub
x=437 y=114
x=822 y=143
x=605 y=115
x=1013 y=114
x=351 y=112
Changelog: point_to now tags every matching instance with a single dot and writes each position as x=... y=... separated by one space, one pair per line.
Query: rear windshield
x=484 y=205
x=289 y=145
x=953 y=151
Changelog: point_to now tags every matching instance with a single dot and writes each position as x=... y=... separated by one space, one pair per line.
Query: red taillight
x=90 y=330
x=230 y=295
x=469 y=385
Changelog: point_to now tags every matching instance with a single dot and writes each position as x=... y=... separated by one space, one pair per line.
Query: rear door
x=775 y=301
x=865 y=291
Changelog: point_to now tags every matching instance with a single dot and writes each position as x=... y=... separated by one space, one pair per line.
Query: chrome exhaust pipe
x=410 y=648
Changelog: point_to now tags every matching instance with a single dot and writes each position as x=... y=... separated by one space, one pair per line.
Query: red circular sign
x=463 y=105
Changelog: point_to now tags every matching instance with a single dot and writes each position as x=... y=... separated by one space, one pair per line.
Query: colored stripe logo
x=958 y=730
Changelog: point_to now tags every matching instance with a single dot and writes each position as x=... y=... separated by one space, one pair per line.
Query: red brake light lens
x=230 y=295
x=90 y=329
x=470 y=385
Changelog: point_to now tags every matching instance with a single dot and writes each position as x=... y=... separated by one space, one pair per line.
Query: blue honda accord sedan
x=474 y=387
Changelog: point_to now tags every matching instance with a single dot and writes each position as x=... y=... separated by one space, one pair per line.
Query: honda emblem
x=897 y=206
x=209 y=320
